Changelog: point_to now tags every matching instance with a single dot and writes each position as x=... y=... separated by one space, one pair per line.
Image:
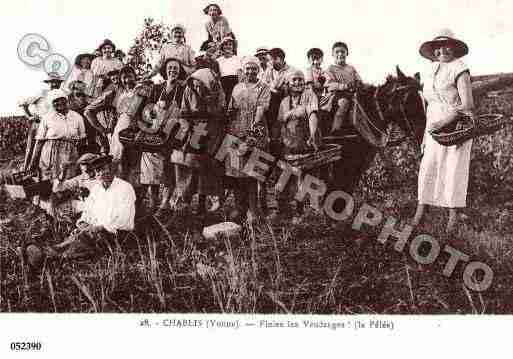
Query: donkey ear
x=400 y=74
x=417 y=77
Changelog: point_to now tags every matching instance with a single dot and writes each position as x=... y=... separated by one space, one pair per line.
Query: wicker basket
x=308 y=161
x=27 y=184
x=143 y=141
x=490 y=123
x=467 y=128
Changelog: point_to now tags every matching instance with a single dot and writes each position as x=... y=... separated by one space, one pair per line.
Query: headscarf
x=295 y=73
x=250 y=59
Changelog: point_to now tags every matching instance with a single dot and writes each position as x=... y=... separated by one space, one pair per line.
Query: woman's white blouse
x=229 y=66
x=56 y=126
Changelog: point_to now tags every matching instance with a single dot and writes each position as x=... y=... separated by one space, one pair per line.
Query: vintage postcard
x=333 y=171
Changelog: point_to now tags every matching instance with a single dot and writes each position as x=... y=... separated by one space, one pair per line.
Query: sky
x=380 y=33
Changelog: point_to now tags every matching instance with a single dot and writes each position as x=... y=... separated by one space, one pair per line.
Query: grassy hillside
x=314 y=267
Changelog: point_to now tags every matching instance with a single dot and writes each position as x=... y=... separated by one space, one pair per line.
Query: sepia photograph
x=334 y=158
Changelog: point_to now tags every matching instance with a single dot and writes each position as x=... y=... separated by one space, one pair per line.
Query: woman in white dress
x=444 y=170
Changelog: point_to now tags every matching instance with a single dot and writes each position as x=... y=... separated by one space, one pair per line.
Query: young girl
x=217 y=27
x=104 y=64
x=176 y=49
x=230 y=66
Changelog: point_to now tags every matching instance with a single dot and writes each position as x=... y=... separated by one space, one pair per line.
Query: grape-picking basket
x=27 y=184
x=467 y=127
x=330 y=153
x=144 y=141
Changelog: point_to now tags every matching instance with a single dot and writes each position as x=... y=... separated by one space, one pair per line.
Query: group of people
x=260 y=99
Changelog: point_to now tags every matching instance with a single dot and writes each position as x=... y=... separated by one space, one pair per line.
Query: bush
x=13 y=136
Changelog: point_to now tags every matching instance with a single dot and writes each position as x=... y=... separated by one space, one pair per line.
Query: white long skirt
x=444 y=170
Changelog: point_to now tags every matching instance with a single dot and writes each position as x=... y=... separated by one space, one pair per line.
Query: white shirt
x=229 y=66
x=113 y=208
x=55 y=126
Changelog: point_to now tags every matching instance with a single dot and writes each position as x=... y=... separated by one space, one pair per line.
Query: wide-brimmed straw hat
x=444 y=36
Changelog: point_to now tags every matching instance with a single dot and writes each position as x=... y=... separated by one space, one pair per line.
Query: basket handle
x=469 y=114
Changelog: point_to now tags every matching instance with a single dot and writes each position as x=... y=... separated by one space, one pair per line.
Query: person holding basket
x=444 y=170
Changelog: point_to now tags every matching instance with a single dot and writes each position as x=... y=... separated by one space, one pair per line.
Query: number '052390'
x=26 y=346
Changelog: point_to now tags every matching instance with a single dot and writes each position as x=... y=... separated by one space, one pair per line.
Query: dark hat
x=105 y=43
x=206 y=45
x=82 y=56
x=78 y=85
x=112 y=73
x=53 y=77
x=277 y=52
x=101 y=161
x=88 y=158
x=205 y=10
x=163 y=72
x=314 y=52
